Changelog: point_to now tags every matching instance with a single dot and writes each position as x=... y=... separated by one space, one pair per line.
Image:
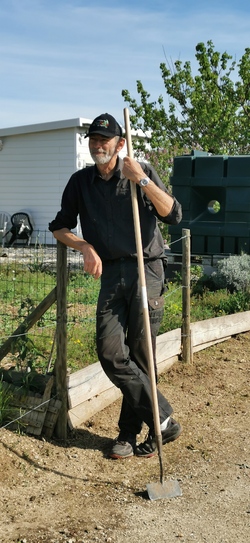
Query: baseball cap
x=106 y=125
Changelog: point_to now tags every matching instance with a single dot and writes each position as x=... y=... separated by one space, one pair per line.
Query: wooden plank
x=87 y=409
x=92 y=381
x=220 y=327
x=198 y=348
x=168 y=345
x=166 y=364
x=86 y=383
x=35 y=417
x=51 y=417
x=32 y=408
x=90 y=390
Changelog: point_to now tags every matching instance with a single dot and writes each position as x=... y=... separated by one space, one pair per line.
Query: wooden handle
x=139 y=249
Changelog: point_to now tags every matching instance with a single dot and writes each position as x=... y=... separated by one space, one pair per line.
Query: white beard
x=101 y=159
x=105 y=156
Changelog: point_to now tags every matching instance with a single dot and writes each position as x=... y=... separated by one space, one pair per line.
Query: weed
x=27 y=353
x=6 y=397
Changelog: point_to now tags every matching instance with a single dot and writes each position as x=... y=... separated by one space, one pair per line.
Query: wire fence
x=27 y=276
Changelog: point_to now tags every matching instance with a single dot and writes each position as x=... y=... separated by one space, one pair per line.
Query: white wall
x=34 y=169
x=35 y=165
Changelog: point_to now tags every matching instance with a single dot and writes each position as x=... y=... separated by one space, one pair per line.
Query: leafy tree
x=209 y=111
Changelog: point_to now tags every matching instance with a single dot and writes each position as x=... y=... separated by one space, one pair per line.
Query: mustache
x=99 y=151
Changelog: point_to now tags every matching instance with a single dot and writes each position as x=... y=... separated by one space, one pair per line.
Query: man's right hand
x=92 y=262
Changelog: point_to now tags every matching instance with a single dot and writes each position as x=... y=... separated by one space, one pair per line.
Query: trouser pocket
x=156 y=311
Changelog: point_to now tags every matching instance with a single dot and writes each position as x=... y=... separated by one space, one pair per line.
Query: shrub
x=233 y=274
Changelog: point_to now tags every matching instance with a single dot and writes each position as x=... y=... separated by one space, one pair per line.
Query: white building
x=36 y=162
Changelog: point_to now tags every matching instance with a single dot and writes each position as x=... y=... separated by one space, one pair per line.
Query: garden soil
x=55 y=492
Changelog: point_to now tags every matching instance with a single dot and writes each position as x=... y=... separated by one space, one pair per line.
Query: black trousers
x=121 y=344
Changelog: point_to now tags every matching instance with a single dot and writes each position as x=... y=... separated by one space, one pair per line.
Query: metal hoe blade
x=169 y=489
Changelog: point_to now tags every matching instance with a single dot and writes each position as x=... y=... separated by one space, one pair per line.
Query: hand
x=132 y=170
x=92 y=262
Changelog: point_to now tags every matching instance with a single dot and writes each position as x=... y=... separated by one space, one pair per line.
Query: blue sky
x=62 y=59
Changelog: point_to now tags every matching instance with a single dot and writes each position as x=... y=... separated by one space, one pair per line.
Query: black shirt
x=106 y=216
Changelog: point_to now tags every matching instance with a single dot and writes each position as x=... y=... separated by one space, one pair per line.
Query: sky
x=64 y=59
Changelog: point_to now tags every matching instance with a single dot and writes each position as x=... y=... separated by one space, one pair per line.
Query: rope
x=176 y=241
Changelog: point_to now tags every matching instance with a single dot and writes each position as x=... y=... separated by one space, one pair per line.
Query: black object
x=21 y=228
x=214 y=191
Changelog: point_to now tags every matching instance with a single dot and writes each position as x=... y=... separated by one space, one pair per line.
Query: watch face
x=144 y=182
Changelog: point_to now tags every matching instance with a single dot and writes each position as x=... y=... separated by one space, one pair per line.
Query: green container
x=215 y=195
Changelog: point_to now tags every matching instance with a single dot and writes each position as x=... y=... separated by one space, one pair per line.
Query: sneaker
x=124 y=446
x=149 y=448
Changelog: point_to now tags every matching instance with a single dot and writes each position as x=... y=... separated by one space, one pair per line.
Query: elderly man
x=100 y=195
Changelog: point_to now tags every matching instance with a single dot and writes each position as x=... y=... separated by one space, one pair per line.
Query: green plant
x=6 y=410
x=233 y=273
x=81 y=344
x=172 y=309
x=84 y=287
x=27 y=353
x=234 y=303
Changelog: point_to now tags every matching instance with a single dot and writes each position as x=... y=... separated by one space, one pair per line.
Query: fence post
x=61 y=340
x=186 y=331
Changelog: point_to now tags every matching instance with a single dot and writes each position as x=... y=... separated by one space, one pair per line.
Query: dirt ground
x=72 y=492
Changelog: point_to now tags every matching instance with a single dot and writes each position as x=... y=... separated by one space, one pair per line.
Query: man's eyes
x=103 y=140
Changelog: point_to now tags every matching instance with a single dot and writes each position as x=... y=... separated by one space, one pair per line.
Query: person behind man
x=101 y=196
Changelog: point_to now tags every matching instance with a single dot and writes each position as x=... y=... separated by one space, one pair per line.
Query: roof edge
x=45 y=127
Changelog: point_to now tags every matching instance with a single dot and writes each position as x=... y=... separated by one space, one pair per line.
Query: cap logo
x=102 y=122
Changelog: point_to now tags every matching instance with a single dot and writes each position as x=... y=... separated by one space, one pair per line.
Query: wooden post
x=61 y=339
x=186 y=331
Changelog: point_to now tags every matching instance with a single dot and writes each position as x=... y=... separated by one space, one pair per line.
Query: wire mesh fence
x=27 y=276
x=35 y=277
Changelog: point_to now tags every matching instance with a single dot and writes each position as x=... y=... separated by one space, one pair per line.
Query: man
x=100 y=194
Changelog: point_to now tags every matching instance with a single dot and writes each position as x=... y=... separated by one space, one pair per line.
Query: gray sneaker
x=124 y=446
x=148 y=448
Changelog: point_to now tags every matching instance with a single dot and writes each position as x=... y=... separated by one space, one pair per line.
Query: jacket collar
x=117 y=173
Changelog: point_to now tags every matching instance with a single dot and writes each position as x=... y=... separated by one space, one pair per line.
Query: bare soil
x=71 y=492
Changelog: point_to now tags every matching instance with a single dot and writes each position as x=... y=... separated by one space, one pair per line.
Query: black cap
x=106 y=125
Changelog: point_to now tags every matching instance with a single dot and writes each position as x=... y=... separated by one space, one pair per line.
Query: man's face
x=103 y=149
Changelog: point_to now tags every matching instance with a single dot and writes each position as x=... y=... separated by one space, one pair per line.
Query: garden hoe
x=169 y=489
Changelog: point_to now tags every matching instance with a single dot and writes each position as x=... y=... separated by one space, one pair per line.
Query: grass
x=6 y=409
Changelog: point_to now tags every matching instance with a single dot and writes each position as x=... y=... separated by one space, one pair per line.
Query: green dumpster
x=215 y=195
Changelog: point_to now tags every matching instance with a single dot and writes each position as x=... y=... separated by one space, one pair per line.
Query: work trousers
x=121 y=343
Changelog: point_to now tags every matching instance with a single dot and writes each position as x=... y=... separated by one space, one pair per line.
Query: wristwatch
x=144 y=181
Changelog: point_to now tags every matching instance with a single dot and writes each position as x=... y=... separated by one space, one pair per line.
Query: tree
x=208 y=111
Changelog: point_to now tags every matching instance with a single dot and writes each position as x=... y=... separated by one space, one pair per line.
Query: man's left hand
x=132 y=170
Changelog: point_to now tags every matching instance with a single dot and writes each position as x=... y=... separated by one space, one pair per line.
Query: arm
x=162 y=201
x=92 y=262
